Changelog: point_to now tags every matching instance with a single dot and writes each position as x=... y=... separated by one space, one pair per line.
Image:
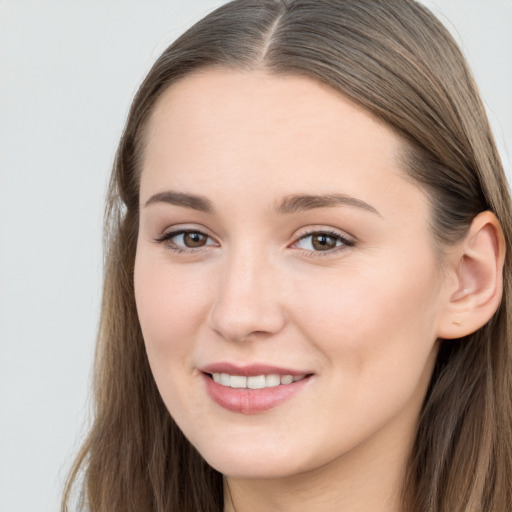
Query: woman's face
x=283 y=253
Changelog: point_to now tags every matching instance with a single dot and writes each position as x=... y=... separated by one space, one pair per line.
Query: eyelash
x=166 y=239
x=346 y=243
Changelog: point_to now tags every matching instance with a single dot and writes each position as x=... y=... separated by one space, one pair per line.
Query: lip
x=251 y=370
x=251 y=401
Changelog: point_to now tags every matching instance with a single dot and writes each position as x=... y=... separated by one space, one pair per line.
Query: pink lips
x=251 y=401
x=250 y=370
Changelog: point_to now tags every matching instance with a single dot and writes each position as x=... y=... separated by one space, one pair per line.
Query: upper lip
x=250 y=370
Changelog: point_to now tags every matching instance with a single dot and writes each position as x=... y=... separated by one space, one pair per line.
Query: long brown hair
x=395 y=59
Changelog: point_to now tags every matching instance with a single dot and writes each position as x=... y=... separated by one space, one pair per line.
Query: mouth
x=254 y=388
x=255 y=381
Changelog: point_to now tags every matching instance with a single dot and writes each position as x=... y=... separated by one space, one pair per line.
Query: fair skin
x=349 y=293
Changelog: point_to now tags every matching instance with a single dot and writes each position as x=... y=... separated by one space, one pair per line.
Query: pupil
x=194 y=239
x=324 y=242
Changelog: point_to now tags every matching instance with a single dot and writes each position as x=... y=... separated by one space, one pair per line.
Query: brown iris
x=323 y=242
x=194 y=239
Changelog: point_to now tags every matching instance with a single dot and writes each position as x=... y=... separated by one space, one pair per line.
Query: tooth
x=286 y=379
x=271 y=381
x=238 y=381
x=298 y=377
x=216 y=377
x=225 y=379
x=257 y=382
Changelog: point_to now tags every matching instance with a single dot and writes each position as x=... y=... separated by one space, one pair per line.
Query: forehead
x=258 y=133
x=214 y=103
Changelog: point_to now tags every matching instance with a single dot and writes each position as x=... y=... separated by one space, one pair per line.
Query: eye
x=323 y=241
x=186 y=240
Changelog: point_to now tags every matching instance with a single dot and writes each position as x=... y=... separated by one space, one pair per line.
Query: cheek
x=377 y=337
x=385 y=290
x=376 y=322
x=170 y=305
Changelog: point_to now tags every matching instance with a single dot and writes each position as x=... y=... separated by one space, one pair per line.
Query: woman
x=307 y=281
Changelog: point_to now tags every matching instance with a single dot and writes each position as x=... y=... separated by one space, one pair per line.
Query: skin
x=362 y=318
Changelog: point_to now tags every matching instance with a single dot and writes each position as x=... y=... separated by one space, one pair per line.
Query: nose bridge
x=246 y=301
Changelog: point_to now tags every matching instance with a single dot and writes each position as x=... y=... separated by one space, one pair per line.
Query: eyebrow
x=288 y=205
x=300 y=202
x=192 y=201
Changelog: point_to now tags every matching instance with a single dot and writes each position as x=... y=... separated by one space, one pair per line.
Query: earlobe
x=478 y=272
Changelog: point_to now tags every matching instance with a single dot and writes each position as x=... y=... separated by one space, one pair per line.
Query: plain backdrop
x=68 y=71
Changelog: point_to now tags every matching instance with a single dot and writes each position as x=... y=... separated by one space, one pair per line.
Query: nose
x=247 y=303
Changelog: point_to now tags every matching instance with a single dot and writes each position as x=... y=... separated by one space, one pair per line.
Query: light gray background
x=68 y=70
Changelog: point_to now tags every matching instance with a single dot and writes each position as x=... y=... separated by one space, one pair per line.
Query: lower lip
x=251 y=401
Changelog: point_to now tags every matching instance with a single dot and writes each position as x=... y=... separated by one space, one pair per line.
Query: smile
x=256 y=381
x=252 y=389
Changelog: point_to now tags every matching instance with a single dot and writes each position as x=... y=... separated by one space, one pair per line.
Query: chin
x=246 y=462
x=254 y=469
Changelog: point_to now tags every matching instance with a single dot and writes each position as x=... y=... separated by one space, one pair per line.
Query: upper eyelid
x=304 y=232
x=176 y=230
x=334 y=234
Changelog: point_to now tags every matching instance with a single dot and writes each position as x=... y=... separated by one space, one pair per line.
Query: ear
x=476 y=265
